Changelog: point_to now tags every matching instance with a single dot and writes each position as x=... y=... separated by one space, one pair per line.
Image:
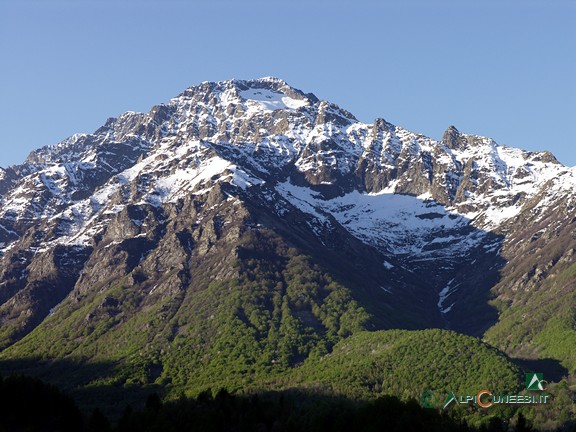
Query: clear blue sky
x=500 y=68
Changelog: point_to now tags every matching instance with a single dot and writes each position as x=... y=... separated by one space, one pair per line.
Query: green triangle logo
x=449 y=399
x=535 y=381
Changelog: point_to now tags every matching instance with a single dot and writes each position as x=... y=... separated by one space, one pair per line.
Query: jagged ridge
x=401 y=215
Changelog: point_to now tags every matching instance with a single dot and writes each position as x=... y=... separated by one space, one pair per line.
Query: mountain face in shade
x=131 y=239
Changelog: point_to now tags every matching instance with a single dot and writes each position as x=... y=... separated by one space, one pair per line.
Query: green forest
x=369 y=381
x=283 y=345
x=31 y=405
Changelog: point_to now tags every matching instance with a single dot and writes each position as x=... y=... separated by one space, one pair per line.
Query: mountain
x=246 y=226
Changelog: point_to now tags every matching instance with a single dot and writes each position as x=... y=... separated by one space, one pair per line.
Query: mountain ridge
x=130 y=229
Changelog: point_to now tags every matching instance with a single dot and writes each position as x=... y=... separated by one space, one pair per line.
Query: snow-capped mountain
x=429 y=227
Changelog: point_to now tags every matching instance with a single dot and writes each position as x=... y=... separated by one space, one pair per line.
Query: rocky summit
x=252 y=224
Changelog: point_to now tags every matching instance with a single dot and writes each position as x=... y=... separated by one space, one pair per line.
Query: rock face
x=164 y=204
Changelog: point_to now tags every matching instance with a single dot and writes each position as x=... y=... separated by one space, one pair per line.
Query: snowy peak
x=271 y=94
x=453 y=139
x=260 y=153
x=267 y=125
x=263 y=131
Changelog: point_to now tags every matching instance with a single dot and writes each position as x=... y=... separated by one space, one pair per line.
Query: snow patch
x=392 y=223
x=444 y=294
x=269 y=100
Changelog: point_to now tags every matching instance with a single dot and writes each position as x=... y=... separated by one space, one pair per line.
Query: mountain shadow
x=93 y=385
x=408 y=261
x=287 y=411
x=551 y=368
x=30 y=404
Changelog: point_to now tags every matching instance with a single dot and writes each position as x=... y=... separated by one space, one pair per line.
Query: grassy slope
x=406 y=363
x=276 y=321
x=541 y=323
x=279 y=311
x=272 y=327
